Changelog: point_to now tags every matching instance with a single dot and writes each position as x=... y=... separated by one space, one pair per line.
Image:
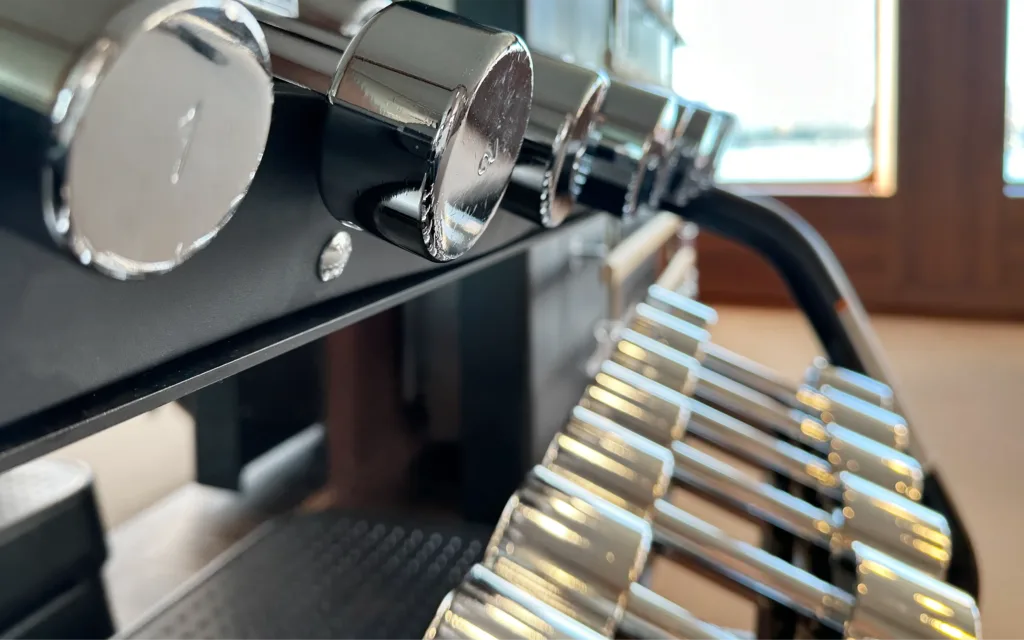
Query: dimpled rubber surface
x=334 y=574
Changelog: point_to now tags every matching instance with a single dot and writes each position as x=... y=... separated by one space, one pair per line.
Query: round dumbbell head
x=434 y=110
x=682 y=307
x=485 y=605
x=577 y=552
x=821 y=373
x=656 y=361
x=856 y=414
x=871 y=460
x=634 y=135
x=890 y=523
x=668 y=328
x=669 y=170
x=895 y=600
x=630 y=400
x=551 y=171
x=157 y=133
x=610 y=461
x=699 y=129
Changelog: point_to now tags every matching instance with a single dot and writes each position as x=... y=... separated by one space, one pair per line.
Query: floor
x=960 y=382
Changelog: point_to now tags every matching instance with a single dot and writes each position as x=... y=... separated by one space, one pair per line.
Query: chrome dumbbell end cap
x=864 y=417
x=821 y=373
x=681 y=306
x=487 y=606
x=610 y=461
x=577 y=552
x=634 y=135
x=447 y=103
x=892 y=524
x=895 y=600
x=551 y=170
x=157 y=133
x=874 y=461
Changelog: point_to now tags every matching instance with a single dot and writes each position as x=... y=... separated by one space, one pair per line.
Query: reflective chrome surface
x=605 y=461
x=660 y=414
x=657 y=361
x=697 y=469
x=551 y=170
x=754 y=445
x=871 y=420
x=576 y=552
x=754 y=568
x=634 y=134
x=487 y=606
x=902 y=528
x=431 y=110
x=894 y=600
x=159 y=114
x=875 y=462
x=665 y=327
x=649 y=615
x=682 y=307
x=821 y=373
x=610 y=461
x=751 y=374
x=700 y=175
x=697 y=128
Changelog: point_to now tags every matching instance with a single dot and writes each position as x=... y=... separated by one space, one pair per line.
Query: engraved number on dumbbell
x=490 y=155
x=187 y=125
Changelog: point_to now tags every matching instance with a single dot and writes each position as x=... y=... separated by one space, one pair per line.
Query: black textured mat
x=50 y=535
x=334 y=574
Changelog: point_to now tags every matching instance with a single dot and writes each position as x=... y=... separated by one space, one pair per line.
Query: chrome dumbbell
x=759 y=377
x=633 y=138
x=156 y=115
x=867 y=513
x=825 y=406
x=586 y=549
x=551 y=168
x=698 y=176
x=485 y=605
x=583 y=558
x=843 y=448
x=428 y=116
x=691 y=127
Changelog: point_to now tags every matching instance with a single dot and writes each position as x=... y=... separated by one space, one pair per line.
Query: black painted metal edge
x=43 y=432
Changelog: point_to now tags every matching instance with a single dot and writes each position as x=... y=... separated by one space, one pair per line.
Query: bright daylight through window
x=1013 y=160
x=799 y=74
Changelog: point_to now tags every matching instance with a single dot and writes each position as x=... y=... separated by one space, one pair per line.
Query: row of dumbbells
x=572 y=545
x=158 y=111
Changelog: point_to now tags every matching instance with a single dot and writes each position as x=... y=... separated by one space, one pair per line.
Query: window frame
x=942 y=236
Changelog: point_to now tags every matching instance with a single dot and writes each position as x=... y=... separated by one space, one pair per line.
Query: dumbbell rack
x=83 y=353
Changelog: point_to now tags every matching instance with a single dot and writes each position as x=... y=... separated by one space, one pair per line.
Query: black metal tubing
x=821 y=288
x=65 y=423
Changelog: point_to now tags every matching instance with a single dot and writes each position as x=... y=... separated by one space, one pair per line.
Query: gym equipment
x=759 y=377
x=416 y=150
x=867 y=512
x=153 y=115
x=588 y=546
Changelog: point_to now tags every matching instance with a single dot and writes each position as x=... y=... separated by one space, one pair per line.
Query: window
x=799 y=74
x=1013 y=158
